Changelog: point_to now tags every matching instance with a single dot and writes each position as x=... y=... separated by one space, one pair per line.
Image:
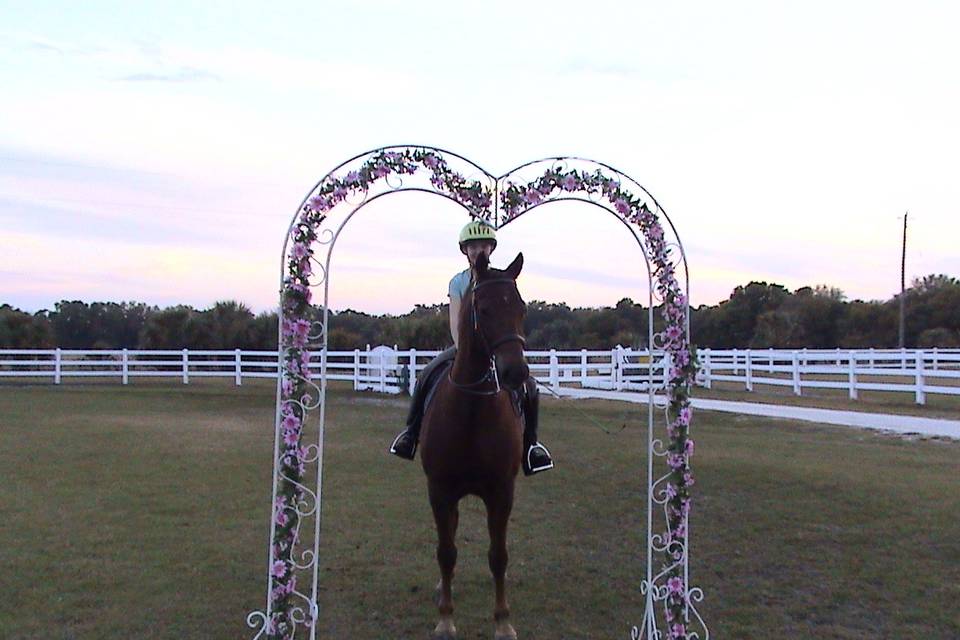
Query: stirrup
x=528 y=468
x=404 y=453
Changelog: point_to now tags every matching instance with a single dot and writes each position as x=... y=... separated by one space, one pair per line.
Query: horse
x=471 y=441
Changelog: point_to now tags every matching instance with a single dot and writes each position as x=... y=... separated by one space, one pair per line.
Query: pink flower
x=532 y=196
x=622 y=206
x=290 y=438
x=688 y=447
x=685 y=415
x=305 y=267
x=431 y=160
x=673 y=332
x=381 y=170
x=299 y=251
x=671 y=491
x=545 y=188
x=675 y=584
x=569 y=183
x=279 y=569
x=282 y=519
x=676 y=461
x=681 y=531
x=678 y=631
x=291 y=423
x=352 y=178
x=688 y=479
x=319 y=203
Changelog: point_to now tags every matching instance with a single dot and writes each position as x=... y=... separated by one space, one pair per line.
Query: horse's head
x=496 y=316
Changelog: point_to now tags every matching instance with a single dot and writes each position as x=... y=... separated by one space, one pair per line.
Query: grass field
x=141 y=512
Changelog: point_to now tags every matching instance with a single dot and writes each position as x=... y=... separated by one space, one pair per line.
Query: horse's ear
x=514 y=269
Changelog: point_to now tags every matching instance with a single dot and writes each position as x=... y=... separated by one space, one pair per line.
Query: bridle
x=491 y=373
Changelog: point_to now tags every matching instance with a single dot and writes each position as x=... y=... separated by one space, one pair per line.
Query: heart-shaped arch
x=321 y=217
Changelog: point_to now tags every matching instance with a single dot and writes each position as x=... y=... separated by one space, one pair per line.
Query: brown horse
x=471 y=441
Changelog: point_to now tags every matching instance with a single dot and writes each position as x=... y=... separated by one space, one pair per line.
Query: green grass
x=142 y=511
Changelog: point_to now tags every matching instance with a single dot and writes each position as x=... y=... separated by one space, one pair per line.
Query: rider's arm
x=455 y=318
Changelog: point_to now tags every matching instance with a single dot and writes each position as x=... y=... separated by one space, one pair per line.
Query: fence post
x=903 y=359
x=554 y=370
x=412 y=378
x=383 y=374
x=736 y=369
x=935 y=367
x=749 y=366
x=871 y=358
x=57 y=366
x=186 y=368
x=921 y=396
x=796 y=373
x=853 y=374
x=838 y=356
x=583 y=367
x=356 y=369
x=806 y=362
x=613 y=368
x=667 y=366
x=125 y=367
x=707 y=382
x=237 y=373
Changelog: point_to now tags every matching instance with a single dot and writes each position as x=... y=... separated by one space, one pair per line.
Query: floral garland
x=556 y=182
x=291 y=505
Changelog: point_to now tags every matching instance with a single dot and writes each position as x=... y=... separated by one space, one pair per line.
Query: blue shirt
x=459 y=284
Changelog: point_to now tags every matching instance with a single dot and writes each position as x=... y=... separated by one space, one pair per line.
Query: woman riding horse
x=477 y=239
x=472 y=441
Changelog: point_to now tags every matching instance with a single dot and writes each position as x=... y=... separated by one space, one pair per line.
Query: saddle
x=516 y=396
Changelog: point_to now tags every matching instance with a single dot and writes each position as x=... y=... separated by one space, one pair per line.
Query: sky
x=157 y=151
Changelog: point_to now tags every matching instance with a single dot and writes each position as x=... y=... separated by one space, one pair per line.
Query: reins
x=491 y=372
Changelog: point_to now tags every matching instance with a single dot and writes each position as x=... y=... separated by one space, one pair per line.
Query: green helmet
x=478 y=230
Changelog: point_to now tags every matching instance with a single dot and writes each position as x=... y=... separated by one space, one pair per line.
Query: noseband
x=491 y=373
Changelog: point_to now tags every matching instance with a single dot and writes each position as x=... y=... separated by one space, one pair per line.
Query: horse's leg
x=499 y=504
x=447 y=515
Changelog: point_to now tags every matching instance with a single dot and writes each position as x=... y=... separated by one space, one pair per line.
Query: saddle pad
x=432 y=382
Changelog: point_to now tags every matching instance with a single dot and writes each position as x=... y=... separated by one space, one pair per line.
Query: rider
x=476 y=238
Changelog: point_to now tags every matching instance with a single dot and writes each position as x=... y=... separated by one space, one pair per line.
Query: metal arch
x=652 y=591
x=555 y=159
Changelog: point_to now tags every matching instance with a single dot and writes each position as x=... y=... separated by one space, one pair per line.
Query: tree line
x=757 y=315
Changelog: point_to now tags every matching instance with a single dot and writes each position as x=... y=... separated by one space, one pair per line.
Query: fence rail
x=920 y=372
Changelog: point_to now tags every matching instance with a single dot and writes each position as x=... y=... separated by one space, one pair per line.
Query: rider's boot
x=405 y=444
x=536 y=457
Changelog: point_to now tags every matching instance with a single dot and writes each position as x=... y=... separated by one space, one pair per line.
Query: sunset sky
x=157 y=151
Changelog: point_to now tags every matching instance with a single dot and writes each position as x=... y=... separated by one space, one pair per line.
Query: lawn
x=142 y=511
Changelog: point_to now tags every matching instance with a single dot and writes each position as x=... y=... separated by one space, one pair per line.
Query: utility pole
x=903 y=278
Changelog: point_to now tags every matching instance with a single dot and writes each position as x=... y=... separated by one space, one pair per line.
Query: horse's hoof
x=505 y=632
x=445 y=630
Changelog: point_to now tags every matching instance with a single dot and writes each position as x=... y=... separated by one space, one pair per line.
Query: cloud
x=185 y=74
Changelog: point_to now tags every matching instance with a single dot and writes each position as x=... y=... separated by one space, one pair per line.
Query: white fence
x=916 y=371
x=920 y=372
x=378 y=369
